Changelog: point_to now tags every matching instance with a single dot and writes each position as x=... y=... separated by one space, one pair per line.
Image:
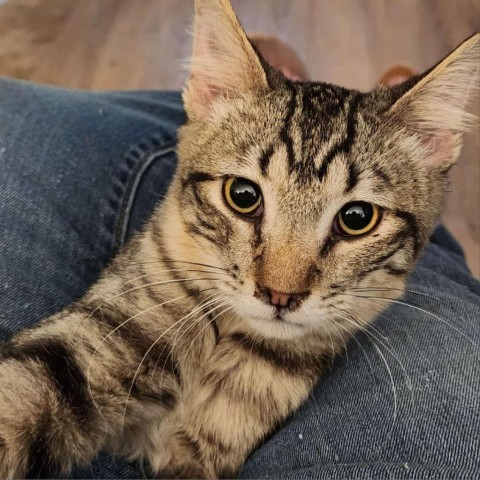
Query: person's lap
x=80 y=172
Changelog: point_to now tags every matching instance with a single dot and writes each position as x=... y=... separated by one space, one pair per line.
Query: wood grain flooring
x=143 y=44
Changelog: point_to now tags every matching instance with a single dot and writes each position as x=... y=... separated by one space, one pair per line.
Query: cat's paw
x=24 y=418
x=181 y=462
x=178 y=455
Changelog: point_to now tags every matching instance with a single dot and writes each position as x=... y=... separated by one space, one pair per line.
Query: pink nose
x=280 y=299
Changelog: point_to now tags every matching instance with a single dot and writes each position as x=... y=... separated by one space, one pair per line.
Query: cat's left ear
x=224 y=63
x=434 y=108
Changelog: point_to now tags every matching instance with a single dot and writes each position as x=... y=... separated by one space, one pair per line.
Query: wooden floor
x=142 y=44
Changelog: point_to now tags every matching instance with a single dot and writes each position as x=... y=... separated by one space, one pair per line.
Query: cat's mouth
x=276 y=316
x=291 y=325
x=281 y=315
x=271 y=316
x=278 y=324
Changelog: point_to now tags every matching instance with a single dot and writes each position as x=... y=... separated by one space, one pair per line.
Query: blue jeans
x=80 y=172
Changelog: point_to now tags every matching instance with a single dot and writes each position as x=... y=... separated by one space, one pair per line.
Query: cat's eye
x=357 y=218
x=243 y=196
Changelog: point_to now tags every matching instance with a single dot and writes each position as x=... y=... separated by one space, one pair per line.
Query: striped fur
x=170 y=358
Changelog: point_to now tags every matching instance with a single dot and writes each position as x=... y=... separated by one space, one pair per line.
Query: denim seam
x=143 y=156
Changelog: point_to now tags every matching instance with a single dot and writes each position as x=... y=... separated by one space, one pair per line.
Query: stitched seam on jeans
x=145 y=160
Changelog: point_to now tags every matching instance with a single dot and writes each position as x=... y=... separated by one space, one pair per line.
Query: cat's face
x=292 y=241
x=305 y=193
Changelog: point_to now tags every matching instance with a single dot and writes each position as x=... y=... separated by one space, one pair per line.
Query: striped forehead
x=318 y=128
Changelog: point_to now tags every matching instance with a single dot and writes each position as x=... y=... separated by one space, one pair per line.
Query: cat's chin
x=271 y=325
x=276 y=328
x=267 y=321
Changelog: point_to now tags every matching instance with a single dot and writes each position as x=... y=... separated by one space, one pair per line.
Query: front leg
x=46 y=412
x=247 y=388
x=66 y=392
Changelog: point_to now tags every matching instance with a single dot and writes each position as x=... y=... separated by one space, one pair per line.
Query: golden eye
x=357 y=218
x=243 y=196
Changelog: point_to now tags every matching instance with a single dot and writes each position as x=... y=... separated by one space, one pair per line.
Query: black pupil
x=244 y=193
x=357 y=216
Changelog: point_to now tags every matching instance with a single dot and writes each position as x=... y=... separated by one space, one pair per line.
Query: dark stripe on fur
x=379 y=263
x=353 y=175
x=133 y=337
x=190 y=443
x=223 y=383
x=197 y=177
x=345 y=145
x=210 y=211
x=387 y=268
x=194 y=293
x=265 y=159
x=285 y=131
x=103 y=313
x=328 y=245
x=288 y=142
x=257 y=235
x=382 y=175
x=281 y=357
x=206 y=225
x=219 y=382
x=40 y=463
x=213 y=442
x=196 y=230
x=386 y=256
x=216 y=330
x=165 y=397
x=374 y=268
x=392 y=270
x=189 y=290
x=62 y=368
x=412 y=225
x=163 y=356
x=186 y=462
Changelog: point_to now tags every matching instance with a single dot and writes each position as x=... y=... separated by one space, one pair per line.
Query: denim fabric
x=80 y=172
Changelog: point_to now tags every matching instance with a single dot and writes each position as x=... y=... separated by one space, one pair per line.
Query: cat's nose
x=280 y=300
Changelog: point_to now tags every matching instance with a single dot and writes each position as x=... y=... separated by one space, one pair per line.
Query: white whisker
x=207 y=324
x=146 y=354
x=111 y=333
x=198 y=320
x=181 y=270
x=364 y=327
x=177 y=261
x=421 y=310
x=190 y=327
x=394 y=391
x=342 y=338
x=358 y=343
x=415 y=292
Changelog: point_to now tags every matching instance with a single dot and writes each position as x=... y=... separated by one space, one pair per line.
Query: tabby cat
x=215 y=322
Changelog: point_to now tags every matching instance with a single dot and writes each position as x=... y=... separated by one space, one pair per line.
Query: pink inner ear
x=202 y=95
x=441 y=147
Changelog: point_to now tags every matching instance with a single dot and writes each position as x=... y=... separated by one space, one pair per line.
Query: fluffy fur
x=170 y=358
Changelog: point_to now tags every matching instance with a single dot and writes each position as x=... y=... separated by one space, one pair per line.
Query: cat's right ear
x=224 y=63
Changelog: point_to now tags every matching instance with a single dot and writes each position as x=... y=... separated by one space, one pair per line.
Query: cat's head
x=307 y=192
